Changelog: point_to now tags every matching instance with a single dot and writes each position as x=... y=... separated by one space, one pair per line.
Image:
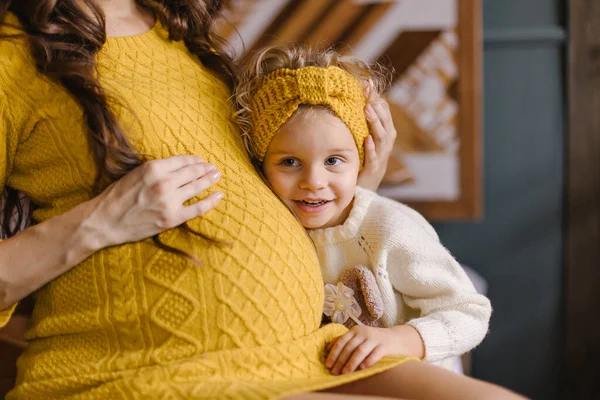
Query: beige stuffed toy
x=355 y=300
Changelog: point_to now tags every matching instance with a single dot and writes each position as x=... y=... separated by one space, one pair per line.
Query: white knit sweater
x=422 y=285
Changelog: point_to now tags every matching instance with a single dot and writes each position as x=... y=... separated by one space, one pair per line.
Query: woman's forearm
x=145 y=202
x=45 y=251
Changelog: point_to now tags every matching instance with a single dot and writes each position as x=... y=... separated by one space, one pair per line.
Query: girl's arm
x=453 y=317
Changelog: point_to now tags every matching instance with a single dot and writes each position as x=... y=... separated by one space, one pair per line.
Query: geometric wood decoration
x=435 y=50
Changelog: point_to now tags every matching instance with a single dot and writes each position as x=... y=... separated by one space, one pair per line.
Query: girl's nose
x=313 y=180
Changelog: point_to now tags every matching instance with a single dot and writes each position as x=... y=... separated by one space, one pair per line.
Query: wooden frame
x=453 y=27
x=581 y=336
x=469 y=206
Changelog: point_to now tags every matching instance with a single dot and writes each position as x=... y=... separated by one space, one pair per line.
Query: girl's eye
x=333 y=161
x=289 y=162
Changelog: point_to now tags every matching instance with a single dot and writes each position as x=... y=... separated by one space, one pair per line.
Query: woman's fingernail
x=215 y=175
x=219 y=195
x=211 y=167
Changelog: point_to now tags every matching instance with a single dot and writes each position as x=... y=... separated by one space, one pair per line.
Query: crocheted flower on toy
x=340 y=304
x=356 y=291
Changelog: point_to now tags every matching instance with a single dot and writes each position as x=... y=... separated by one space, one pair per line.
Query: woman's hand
x=149 y=200
x=378 y=145
x=363 y=346
x=146 y=201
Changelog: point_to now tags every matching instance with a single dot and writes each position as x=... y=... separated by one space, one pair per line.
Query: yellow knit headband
x=283 y=90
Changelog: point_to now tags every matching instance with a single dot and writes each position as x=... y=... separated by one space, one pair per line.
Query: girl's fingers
x=359 y=355
x=373 y=358
x=330 y=344
x=337 y=348
x=346 y=353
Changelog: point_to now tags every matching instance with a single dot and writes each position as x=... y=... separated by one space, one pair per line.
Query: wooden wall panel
x=581 y=351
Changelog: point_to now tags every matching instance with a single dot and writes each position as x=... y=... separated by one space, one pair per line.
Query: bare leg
x=422 y=381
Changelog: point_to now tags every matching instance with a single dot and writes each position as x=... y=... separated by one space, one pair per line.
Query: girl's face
x=312 y=163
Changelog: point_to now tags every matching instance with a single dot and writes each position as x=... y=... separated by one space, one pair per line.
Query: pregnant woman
x=162 y=266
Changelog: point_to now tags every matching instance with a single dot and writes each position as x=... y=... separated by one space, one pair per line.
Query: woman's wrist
x=90 y=231
x=53 y=247
x=88 y=234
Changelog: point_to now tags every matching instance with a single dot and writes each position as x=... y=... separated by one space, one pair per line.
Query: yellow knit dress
x=133 y=321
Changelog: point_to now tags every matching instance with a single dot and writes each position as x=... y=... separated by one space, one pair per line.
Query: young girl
x=386 y=273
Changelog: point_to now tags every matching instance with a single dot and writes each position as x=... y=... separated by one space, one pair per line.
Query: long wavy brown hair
x=64 y=37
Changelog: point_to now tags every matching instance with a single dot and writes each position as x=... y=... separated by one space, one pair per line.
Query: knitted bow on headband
x=283 y=90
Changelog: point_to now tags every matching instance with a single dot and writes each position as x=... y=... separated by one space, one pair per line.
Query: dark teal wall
x=518 y=245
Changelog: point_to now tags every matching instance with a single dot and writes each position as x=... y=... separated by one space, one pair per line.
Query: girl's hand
x=378 y=145
x=363 y=346
x=149 y=200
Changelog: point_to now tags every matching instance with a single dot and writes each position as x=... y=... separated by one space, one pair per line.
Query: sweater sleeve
x=7 y=152
x=452 y=317
x=6 y=314
x=15 y=120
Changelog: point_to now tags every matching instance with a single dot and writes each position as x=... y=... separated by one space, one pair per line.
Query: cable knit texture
x=133 y=321
x=284 y=90
x=420 y=282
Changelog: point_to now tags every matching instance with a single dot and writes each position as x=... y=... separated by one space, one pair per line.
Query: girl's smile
x=312 y=163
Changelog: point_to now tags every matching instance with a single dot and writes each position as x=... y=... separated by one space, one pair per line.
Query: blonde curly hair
x=375 y=78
